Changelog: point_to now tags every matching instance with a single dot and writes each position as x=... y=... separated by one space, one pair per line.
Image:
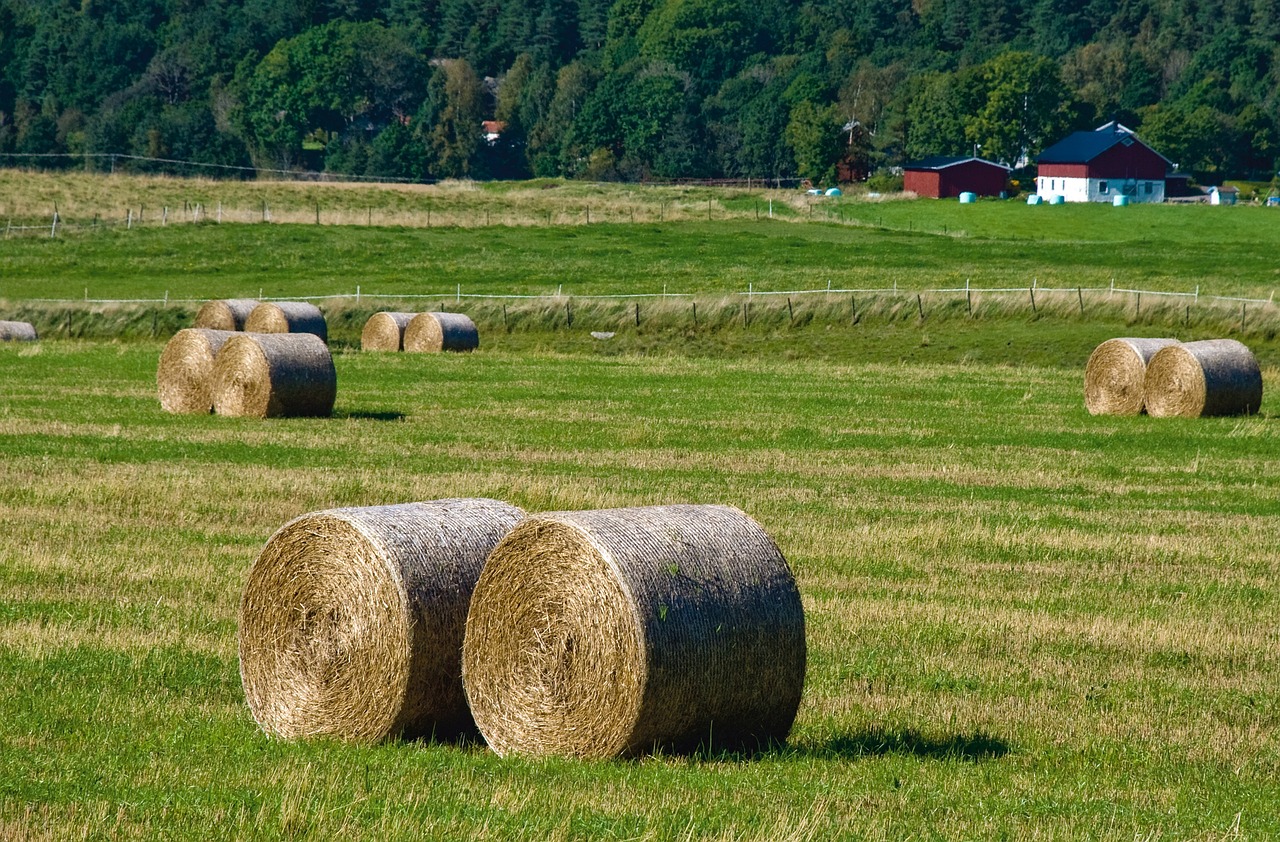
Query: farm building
x=1099 y=165
x=941 y=177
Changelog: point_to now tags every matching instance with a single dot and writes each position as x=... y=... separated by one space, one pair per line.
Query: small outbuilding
x=942 y=177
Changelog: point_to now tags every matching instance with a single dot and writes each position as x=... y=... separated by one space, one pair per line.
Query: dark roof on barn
x=1082 y=147
x=941 y=162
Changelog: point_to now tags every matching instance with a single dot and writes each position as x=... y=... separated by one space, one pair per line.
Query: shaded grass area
x=1022 y=620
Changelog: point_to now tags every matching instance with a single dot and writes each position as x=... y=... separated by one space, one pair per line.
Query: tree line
x=636 y=89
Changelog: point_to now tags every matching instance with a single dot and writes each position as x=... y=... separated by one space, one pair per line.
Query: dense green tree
x=1025 y=106
x=813 y=133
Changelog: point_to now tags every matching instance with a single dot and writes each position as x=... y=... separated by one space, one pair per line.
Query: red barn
x=1099 y=165
x=941 y=177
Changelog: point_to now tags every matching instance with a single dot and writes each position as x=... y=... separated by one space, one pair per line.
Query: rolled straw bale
x=225 y=314
x=268 y=375
x=615 y=632
x=287 y=317
x=185 y=374
x=1114 y=375
x=351 y=621
x=385 y=331
x=1213 y=377
x=441 y=332
x=17 y=332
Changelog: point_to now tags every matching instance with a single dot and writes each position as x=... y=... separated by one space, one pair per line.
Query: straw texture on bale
x=287 y=317
x=225 y=314
x=385 y=331
x=17 y=332
x=441 y=332
x=351 y=621
x=1213 y=377
x=268 y=375
x=1115 y=373
x=616 y=632
x=185 y=374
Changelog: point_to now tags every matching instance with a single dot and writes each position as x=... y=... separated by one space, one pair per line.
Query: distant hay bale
x=185 y=374
x=351 y=621
x=268 y=375
x=287 y=317
x=17 y=332
x=615 y=632
x=385 y=331
x=441 y=332
x=225 y=314
x=1114 y=375
x=1213 y=377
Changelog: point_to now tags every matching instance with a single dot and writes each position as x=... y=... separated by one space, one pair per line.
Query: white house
x=1099 y=165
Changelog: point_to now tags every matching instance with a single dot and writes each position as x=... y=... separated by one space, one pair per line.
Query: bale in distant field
x=351 y=621
x=441 y=332
x=287 y=317
x=226 y=314
x=1114 y=375
x=17 y=332
x=1213 y=377
x=615 y=632
x=185 y=374
x=385 y=331
x=268 y=375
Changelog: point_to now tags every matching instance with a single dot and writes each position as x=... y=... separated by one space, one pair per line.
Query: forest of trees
x=635 y=89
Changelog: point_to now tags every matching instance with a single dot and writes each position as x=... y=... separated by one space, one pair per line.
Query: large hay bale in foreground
x=615 y=632
x=441 y=332
x=385 y=331
x=225 y=314
x=268 y=375
x=17 y=332
x=1115 y=374
x=1213 y=377
x=184 y=377
x=351 y=621
x=287 y=317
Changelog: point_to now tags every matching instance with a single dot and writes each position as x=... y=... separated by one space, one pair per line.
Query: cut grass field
x=1023 y=621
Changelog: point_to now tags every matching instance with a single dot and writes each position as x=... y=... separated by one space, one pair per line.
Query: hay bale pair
x=419 y=332
x=246 y=374
x=244 y=314
x=17 y=332
x=1164 y=377
x=591 y=634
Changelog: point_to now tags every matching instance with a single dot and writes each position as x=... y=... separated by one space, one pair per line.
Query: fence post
x=1080 y=298
x=695 y=314
x=920 y=306
x=1137 y=306
x=637 y=314
x=1242 y=317
x=458 y=296
x=53 y=231
x=790 y=310
x=1032 y=291
x=968 y=296
x=357 y=293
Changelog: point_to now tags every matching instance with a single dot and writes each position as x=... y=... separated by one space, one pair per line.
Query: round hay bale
x=225 y=314
x=287 y=317
x=614 y=632
x=268 y=375
x=1213 y=377
x=385 y=331
x=17 y=332
x=1114 y=375
x=185 y=374
x=441 y=332
x=351 y=621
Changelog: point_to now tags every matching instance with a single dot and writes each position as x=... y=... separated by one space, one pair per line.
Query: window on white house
x=1102 y=187
x=1147 y=188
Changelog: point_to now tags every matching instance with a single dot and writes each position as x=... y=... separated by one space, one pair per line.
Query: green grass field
x=1023 y=621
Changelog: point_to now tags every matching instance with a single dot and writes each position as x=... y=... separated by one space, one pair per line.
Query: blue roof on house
x=1082 y=147
x=941 y=162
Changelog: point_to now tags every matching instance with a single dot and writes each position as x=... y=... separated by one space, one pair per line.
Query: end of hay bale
x=265 y=375
x=225 y=314
x=351 y=621
x=287 y=317
x=431 y=332
x=1211 y=377
x=617 y=632
x=1114 y=377
x=184 y=376
x=13 y=331
x=385 y=331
